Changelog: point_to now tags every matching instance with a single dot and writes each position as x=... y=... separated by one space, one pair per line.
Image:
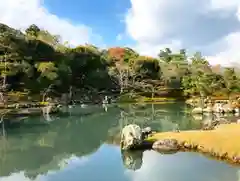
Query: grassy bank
x=137 y=97
x=223 y=142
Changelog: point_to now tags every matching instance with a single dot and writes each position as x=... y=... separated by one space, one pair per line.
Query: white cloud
x=148 y=49
x=211 y=26
x=22 y=13
x=231 y=55
x=222 y=4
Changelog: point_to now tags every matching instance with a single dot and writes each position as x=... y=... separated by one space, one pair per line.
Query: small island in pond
x=222 y=142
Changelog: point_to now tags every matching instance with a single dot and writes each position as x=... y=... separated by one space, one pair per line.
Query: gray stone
x=227 y=108
x=166 y=145
x=131 y=136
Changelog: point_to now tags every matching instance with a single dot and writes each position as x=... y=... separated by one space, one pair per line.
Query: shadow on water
x=73 y=145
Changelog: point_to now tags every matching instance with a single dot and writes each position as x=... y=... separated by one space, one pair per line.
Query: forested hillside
x=35 y=61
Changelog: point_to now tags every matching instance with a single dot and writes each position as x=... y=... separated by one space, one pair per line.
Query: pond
x=81 y=144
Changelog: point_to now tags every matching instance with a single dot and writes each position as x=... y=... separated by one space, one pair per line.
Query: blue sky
x=104 y=16
x=209 y=26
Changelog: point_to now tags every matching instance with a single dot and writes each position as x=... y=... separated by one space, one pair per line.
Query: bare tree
x=121 y=73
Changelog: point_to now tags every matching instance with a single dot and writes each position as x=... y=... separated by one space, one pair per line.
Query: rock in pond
x=197 y=110
x=238 y=121
x=146 y=132
x=208 y=110
x=50 y=109
x=131 y=137
x=166 y=145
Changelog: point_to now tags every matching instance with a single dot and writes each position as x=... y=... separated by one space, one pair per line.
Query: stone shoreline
x=222 y=143
x=208 y=105
x=28 y=109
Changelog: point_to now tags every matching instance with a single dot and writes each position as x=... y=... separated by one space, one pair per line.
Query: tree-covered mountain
x=34 y=60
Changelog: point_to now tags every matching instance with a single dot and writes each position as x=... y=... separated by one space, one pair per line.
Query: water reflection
x=105 y=164
x=73 y=145
x=210 y=121
x=182 y=167
x=132 y=159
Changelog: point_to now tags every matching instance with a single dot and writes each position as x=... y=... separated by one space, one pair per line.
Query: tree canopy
x=36 y=59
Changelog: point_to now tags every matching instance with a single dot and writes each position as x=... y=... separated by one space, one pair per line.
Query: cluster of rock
x=22 y=105
x=132 y=137
x=218 y=106
x=26 y=109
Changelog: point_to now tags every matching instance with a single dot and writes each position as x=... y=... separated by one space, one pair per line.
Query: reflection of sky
x=239 y=175
x=182 y=167
x=103 y=165
x=106 y=165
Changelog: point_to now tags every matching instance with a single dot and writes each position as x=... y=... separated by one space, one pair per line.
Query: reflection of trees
x=209 y=121
x=161 y=117
x=238 y=175
x=37 y=148
x=3 y=147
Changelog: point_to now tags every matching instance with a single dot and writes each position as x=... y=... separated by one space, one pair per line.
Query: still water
x=81 y=145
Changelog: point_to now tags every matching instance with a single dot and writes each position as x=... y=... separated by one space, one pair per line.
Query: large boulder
x=197 y=110
x=218 y=108
x=166 y=145
x=190 y=102
x=194 y=102
x=208 y=109
x=227 y=108
x=197 y=117
x=131 y=137
x=237 y=110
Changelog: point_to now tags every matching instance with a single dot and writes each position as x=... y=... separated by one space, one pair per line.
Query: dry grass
x=223 y=142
